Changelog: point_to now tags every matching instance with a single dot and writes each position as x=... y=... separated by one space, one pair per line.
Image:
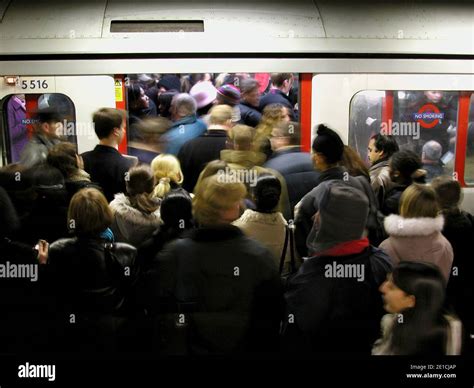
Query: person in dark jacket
x=405 y=169
x=295 y=166
x=196 y=153
x=278 y=94
x=328 y=149
x=459 y=230
x=105 y=164
x=332 y=303
x=91 y=278
x=220 y=289
x=249 y=102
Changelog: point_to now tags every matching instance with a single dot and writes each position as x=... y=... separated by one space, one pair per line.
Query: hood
x=246 y=159
x=396 y=225
x=250 y=215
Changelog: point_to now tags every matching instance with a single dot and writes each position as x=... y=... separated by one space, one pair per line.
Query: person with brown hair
x=353 y=163
x=91 y=278
x=225 y=285
x=278 y=94
x=415 y=234
x=136 y=215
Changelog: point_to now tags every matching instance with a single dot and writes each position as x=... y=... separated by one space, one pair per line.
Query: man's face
x=52 y=128
x=434 y=96
x=373 y=154
x=252 y=97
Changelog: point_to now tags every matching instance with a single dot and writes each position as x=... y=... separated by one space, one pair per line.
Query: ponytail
x=162 y=188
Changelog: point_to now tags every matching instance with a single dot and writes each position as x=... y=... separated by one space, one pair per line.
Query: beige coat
x=269 y=230
x=418 y=239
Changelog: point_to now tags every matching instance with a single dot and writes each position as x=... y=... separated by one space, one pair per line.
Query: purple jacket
x=18 y=131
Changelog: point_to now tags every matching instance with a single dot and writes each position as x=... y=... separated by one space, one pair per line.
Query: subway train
x=355 y=66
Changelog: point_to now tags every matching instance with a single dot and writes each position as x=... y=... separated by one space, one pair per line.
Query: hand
x=43 y=251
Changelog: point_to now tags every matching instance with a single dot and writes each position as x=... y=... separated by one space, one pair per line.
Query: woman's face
x=395 y=300
x=144 y=100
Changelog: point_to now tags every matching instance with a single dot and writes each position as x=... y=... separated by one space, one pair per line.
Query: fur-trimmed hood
x=396 y=225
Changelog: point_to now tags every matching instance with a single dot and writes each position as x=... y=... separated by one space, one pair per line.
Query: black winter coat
x=249 y=115
x=276 y=96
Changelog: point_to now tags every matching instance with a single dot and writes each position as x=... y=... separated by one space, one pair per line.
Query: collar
x=396 y=225
x=185 y=120
x=105 y=148
x=380 y=163
x=287 y=150
x=346 y=248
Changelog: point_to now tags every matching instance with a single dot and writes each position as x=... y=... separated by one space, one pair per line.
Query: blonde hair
x=212 y=168
x=272 y=115
x=220 y=115
x=215 y=194
x=242 y=137
x=166 y=169
x=419 y=201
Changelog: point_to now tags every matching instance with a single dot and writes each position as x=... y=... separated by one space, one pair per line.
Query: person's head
x=204 y=93
x=405 y=168
x=434 y=96
x=267 y=193
x=221 y=115
x=137 y=99
x=381 y=147
x=354 y=164
x=414 y=285
x=169 y=82
x=242 y=137
x=47 y=177
x=273 y=114
x=212 y=168
x=249 y=89
x=89 y=213
x=448 y=191
x=140 y=184
x=109 y=123
x=176 y=210
x=285 y=134
x=431 y=152
x=48 y=122
x=64 y=157
x=342 y=217
x=182 y=105
x=419 y=201
x=327 y=148
x=218 y=200
x=167 y=171
x=228 y=94
x=282 y=81
x=164 y=103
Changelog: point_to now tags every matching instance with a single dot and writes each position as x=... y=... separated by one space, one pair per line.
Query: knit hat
x=170 y=82
x=343 y=212
x=229 y=94
x=328 y=143
x=204 y=93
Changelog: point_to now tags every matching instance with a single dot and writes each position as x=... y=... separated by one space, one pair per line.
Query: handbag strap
x=291 y=232
x=285 y=247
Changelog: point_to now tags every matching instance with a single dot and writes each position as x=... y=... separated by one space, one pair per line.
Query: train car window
x=469 y=165
x=151 y=117
x=422 y=121
x=21 y=111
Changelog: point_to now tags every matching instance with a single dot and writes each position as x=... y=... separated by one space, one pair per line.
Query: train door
x=427 y=113
x=74 y=98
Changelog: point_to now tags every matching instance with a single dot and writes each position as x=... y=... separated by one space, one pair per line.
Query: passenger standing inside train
x=139 y=108
x=136 y=213
x=223 y=285
x=459 y=230
x=43 y=139
x=205 y=94
x=332 y=303
x=265 y=224
x=415 y=234
x=272 y=115
x=328 y=149
x=278 y=94
x=379 y=151
x=63 y=156
x=405 y=168
x=417 y=324
x=104 y=163
x=164 y=103
x=229 y=94
x=295 y=166
x=249 y=102
x=168 y=176
x=186 y=125
x=196 y=153
x=92 y=277
x=16 y=111
x=431 y=159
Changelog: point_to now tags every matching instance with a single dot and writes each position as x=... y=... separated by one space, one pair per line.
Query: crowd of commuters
x=190 y=251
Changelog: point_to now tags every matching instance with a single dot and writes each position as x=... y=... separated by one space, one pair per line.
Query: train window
x=422 y=121
x=149 y=104
x=21 y=111
x=469 y=165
